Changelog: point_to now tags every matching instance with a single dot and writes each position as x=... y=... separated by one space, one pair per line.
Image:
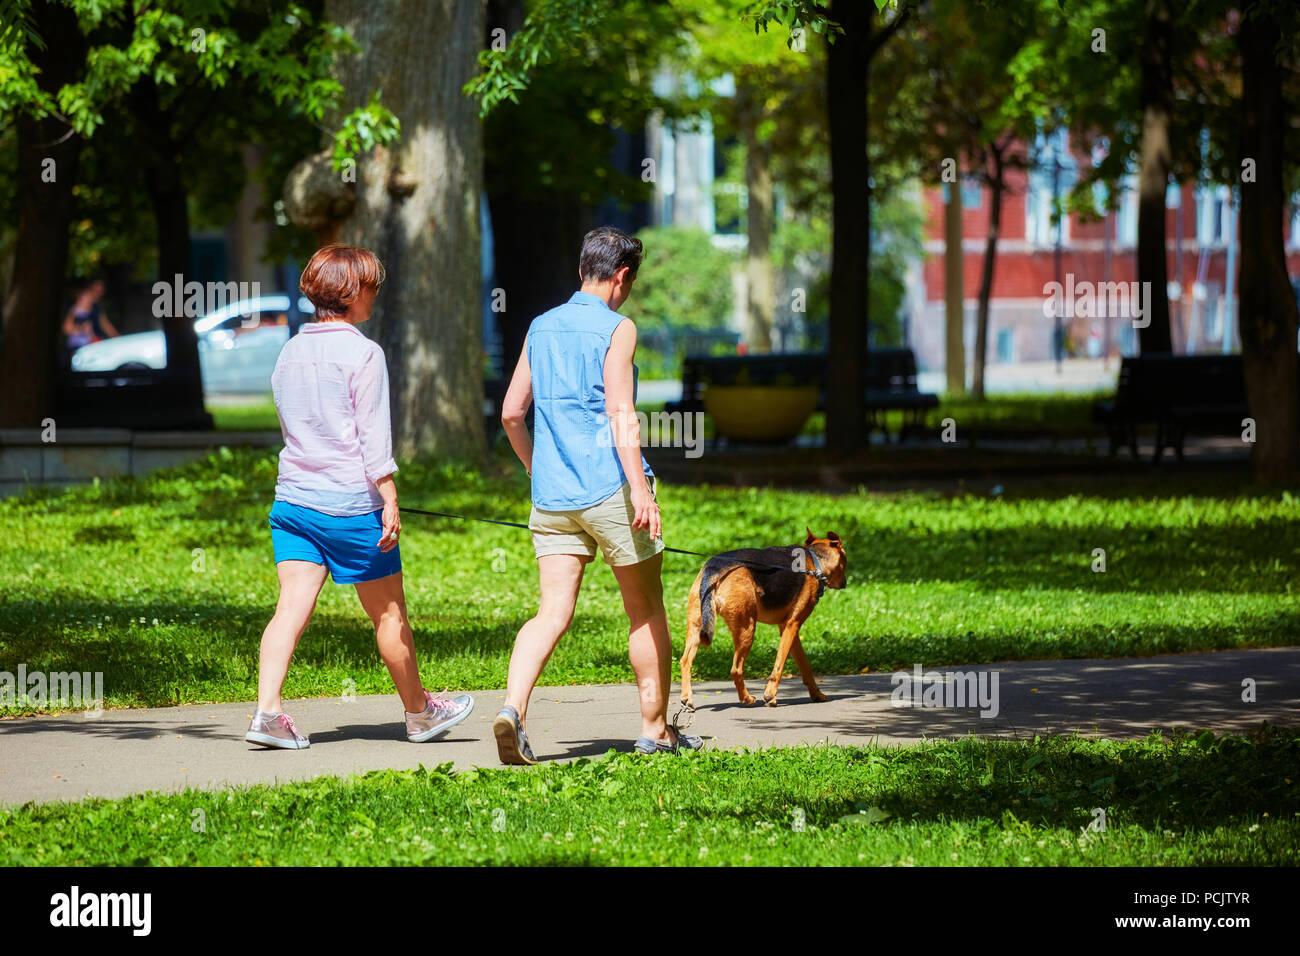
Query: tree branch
x=880 y=39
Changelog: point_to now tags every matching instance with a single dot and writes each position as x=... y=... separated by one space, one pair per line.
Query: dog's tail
x=713 y=572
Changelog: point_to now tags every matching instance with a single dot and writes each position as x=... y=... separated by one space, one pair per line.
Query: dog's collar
x=819 y=574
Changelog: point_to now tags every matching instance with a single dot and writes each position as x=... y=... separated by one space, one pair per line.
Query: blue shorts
x=346 y=546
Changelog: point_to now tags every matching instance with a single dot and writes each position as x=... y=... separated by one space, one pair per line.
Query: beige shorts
x=607 y=525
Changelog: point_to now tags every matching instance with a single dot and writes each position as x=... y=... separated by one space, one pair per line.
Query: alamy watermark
x=74 y=690
x=74 y=908
x=193 y=299
x=919 y=688
x=1098 y=300
x=654 y=430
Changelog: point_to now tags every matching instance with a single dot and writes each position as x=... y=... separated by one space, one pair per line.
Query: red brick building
x=1198 y=222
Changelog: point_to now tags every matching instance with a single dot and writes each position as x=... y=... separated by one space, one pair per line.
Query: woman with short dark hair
x=592 y=489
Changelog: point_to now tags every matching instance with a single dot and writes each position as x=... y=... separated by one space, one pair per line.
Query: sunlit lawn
x=165 y=584
x=1192 y=800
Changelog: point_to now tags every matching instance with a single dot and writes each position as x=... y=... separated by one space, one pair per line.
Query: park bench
x=1177 y=394
x=142 y=399
x=890 y=381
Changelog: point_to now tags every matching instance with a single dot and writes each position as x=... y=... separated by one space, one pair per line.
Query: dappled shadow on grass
x=65 y=632
x=199 y=648
x=1180 y=784
x=1175 y=787
x=1139 y=559
x=212 y=643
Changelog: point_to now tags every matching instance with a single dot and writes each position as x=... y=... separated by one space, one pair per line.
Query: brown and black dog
x=754 y=586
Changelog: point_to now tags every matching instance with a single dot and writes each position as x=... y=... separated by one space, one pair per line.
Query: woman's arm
x=514 y=411
x=69 y=321
x=375 y=435
x=107 y=326
x=626 y=427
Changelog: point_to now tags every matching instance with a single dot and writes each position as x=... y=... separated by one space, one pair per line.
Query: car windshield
x=264 y=310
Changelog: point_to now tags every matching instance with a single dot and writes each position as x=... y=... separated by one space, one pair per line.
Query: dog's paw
x=688 y=703
x=748 y=700
x=818 y=697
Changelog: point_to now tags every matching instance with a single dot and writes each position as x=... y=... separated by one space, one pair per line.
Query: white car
x=238 y=346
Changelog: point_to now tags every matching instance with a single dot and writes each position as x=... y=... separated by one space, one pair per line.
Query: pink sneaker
x=275 y=730
x=439 y=716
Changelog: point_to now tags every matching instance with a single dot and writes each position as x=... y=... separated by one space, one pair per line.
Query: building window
x=1054 y=175
x=1006 y=346
x=1212 y=328
x=1213 y=204
x=972 y=193
x=1126 y=219
x=1128 y=339
x=1293 y=240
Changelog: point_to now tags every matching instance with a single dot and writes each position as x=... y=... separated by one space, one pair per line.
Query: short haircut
x=605 y=250
x=336 y=275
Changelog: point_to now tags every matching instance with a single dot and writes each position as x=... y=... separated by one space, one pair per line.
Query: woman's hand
x=392 y=521
x=647 y=511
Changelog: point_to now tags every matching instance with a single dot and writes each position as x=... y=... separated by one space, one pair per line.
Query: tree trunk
x=954 y=293
x=847 y=63
x=35 y=304
x=1268 y=313
x=997 y=188
x=428 y=315
x=170 y=201
x=760 y=307
x=1156 y=91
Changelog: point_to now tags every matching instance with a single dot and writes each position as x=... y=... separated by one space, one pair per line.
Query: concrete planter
x=763 y=413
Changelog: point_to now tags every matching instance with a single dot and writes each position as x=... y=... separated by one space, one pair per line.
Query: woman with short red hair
x=335 y=511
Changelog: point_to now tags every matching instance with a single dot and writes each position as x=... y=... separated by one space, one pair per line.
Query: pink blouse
x=331 y=393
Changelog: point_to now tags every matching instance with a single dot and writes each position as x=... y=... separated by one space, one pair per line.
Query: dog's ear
x=811 y=537
x=834 y=539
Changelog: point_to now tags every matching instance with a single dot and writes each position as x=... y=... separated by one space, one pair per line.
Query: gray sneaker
x=644 y=745
x=512 y=742
x=439 y=716
x=275 y=730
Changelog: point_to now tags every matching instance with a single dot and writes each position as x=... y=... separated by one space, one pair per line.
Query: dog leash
x=819 y=574
x=512 y=524
x=684 y=716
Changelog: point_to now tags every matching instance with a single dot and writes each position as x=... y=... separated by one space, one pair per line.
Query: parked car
x=238 y=346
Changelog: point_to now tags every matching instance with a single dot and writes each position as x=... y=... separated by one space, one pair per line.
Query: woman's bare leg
x=385 y=602
x=300 y=584
x=649 y=645
x=560 y=576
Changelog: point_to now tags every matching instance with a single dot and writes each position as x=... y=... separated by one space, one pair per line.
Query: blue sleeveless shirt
x=575 y=463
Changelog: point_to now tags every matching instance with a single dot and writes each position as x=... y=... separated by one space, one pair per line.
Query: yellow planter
x=760 y=412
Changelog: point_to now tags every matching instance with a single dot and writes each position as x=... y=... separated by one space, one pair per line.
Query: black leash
x=685 y=715
x=512 y=524
x=818 y=573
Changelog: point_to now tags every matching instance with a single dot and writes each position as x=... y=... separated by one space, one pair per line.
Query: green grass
x=259 y=416
x=1180 y=801
x=1066 y=414
x=1058 y=411
x=164 y=584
